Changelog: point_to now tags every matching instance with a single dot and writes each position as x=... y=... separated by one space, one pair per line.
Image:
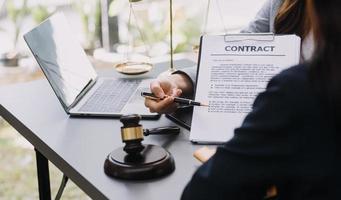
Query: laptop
x=73 y=79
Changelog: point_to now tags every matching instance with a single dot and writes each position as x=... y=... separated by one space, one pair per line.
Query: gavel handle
x=167 y=130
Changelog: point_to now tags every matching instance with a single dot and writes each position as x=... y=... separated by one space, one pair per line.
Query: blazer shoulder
x=293 y=83
x=296 y=76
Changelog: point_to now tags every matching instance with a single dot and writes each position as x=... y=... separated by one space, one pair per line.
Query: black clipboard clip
x=266 y=37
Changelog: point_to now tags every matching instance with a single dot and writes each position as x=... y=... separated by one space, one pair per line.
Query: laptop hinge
x=86 y=89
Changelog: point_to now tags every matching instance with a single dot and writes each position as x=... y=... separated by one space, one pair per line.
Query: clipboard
x=221 y=126
x=183 y=116
x=266 y=37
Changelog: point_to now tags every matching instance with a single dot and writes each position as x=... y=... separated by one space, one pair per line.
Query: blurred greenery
x=186 y=28
x=116 y=6
x=17 y=11
x=90 y=13
x=40 y=13
x=190 y=31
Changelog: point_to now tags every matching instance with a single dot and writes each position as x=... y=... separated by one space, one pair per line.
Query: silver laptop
x=79 y=89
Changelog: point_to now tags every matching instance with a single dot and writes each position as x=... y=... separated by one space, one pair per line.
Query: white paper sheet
x=232 y=71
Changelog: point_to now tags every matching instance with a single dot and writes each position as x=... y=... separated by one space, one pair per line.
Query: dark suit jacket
x=288 y=140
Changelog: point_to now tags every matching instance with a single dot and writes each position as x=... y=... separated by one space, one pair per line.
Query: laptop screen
x=61 y=58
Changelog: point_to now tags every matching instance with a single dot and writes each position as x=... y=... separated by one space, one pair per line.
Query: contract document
x=232 y=71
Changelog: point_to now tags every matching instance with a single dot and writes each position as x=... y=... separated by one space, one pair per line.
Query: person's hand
x=167 y=87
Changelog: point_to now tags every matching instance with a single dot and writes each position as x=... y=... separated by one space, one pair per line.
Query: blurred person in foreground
x=292 y=137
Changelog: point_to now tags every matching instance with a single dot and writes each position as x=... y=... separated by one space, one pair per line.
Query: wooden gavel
x=132 y=133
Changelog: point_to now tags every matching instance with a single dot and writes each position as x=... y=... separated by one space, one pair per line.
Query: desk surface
x=79 y=146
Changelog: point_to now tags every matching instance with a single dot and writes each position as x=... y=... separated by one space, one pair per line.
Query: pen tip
x=203 y=104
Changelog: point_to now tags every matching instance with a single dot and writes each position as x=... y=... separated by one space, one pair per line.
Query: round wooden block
x=153 y=162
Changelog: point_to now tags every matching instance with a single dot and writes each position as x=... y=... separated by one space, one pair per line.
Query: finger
x=148 y=103
x=152 y=105
x=168 y=107
x=176 y=92
x=160 y=106
x=156 y=89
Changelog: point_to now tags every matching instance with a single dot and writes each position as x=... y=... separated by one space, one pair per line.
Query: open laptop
x=79 y=89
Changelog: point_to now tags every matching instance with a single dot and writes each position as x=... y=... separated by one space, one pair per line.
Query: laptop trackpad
x=135 y=105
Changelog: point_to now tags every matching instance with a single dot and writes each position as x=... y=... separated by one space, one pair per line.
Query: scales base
x=152 y=162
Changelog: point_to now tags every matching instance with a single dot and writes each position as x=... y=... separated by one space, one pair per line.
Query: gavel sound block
x=136 y=161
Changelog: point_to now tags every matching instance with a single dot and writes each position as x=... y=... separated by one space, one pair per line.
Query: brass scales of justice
x=129 y=67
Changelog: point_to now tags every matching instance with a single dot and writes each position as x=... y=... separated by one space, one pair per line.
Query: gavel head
x=132 y=134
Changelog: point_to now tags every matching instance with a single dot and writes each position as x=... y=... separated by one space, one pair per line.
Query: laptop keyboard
x=111 y=96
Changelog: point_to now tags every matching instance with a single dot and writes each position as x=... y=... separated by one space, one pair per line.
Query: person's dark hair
x=292 y=18
x=326 y=64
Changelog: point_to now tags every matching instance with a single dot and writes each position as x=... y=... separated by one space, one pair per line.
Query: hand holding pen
x=166 y=88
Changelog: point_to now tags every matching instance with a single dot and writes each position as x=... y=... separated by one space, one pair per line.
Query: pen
x=179 y=100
